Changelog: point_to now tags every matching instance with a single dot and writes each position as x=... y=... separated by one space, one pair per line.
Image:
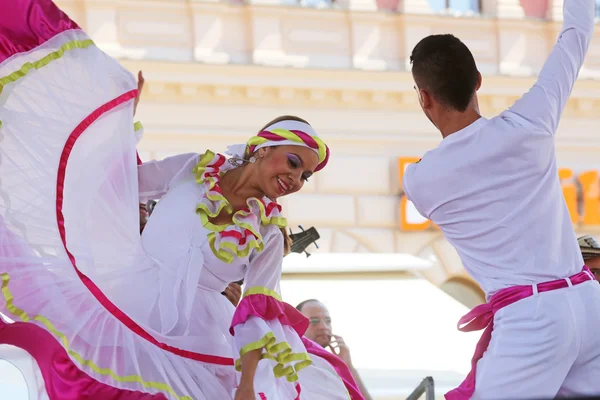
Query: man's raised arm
x=542 y=106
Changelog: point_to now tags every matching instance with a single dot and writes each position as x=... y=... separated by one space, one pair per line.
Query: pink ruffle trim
x=268 y=308
x=62 y=378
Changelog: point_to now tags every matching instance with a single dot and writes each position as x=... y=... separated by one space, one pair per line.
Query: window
x=457 y=6
x=598 y=9
x=316 y=3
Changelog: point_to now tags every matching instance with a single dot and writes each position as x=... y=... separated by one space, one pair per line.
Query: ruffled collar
x=239 y=238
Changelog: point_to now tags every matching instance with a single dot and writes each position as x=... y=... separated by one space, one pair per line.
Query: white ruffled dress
x=138 y=315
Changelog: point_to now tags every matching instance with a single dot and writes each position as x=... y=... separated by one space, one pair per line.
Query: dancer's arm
x=542 y=106
x=156 y=177
x=262 y=321
x=249 y=363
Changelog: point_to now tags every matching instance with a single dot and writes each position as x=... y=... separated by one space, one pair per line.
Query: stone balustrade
x=263 y=34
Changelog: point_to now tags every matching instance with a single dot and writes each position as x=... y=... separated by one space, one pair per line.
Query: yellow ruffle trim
x=279 y=352
x=227 y=251
x=262 y=290
x=17 y=312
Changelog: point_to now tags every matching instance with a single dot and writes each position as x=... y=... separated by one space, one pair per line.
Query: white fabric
x=260 y=274
x=239 y=150
x=236 y=150
x=319 y=371
x=139 y=134
x=168 y=281
x=493 y=187
x=544 y=345
x=101 y=214
x=290 y=125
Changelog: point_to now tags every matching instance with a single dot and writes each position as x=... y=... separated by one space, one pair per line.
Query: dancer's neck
x=238 y=186
x=455 y=121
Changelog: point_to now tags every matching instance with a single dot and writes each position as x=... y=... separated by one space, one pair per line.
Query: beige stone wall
x=217 y=72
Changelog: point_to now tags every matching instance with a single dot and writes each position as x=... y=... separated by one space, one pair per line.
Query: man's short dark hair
x=302 y=304
x=444 y=66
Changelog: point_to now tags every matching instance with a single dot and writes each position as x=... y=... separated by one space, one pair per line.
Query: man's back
x=493 y=187
x=497 y=198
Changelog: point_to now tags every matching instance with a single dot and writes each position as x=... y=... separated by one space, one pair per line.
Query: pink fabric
x=26 y=24
x=98 y=294
x=482 y=317
x=268 y=308
x=62 y=378
x=309 y=140
x=340 y=367
x=306 y=138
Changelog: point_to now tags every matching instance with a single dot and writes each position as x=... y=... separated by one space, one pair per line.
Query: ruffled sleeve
x=263 y=321
x=155 y=178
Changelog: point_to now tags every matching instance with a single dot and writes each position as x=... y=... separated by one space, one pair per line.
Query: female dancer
x=105 y=313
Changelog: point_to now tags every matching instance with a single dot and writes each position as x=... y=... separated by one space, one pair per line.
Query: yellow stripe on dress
x=17 y=312
x=55 y=55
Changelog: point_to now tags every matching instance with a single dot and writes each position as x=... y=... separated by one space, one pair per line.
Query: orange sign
x=583 y=204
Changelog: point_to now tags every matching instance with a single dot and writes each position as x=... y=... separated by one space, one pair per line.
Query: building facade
x=217 y=71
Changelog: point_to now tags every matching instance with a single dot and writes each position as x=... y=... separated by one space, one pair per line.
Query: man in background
x=319 y=331
x=590 y=249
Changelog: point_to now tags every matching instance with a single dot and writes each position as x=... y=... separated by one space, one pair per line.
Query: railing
x=425 y=387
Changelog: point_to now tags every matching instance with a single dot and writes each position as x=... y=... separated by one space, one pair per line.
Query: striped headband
x=290 y=133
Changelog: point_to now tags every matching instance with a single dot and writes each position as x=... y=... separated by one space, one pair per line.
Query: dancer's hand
x=339 y=348
x=140 y=87
x=245 y=392
x=143 y=216
x=233 y=292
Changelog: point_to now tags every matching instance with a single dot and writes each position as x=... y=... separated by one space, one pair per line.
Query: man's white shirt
x=493 y=187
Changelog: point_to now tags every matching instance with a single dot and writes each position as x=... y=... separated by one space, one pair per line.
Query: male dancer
x=492 y=187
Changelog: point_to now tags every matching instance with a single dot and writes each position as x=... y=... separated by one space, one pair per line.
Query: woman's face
x=284 y=169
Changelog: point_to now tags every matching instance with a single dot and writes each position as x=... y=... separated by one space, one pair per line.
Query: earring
x=238 y=161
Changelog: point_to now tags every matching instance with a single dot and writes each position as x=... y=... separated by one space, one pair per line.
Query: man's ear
x=426 y=99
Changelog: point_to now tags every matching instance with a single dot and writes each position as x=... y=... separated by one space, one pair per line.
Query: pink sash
x=340 y=367
x=482 y=317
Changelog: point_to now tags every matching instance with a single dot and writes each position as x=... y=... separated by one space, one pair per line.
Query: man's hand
x=339 y=348
x=233 y=292
x=140 y=87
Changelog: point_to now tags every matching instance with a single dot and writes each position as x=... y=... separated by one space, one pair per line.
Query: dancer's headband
x=286 y=133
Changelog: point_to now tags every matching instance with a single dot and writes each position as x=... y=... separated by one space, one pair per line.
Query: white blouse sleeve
x=264 y=270
x=264 y=322
x=543 y=105
x=155 y=178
